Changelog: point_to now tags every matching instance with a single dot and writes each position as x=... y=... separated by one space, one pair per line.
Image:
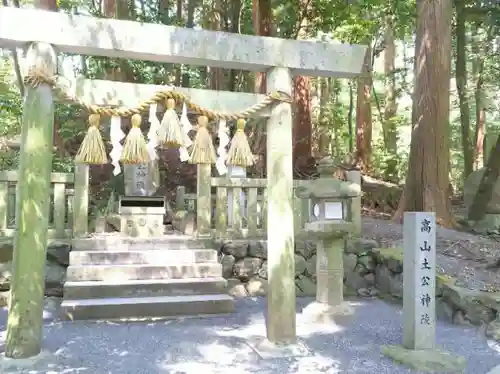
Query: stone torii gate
x=279 y=58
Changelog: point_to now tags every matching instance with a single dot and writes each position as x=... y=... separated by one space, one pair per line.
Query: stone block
x=146 y=307
x=144 y=288
x=427 y=361
x=360 y=245
x=257 y=287
x=227 y=263
x=246 y=268
x=350 y=262
x=258 y=248
x=237 y=248
x=236 y=289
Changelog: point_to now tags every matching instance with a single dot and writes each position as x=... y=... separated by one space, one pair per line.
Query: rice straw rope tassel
x=135 y=150
x=92 y=150
x=170 y=133
x=240 y=153
x=203 y=151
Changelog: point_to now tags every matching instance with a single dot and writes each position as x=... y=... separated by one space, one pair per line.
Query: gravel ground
x=218 y=344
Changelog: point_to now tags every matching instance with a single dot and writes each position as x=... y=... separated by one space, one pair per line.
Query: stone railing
x=69 y=203
x=238 y=207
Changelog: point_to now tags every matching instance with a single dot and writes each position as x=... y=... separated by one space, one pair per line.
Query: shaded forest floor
x=473 y=259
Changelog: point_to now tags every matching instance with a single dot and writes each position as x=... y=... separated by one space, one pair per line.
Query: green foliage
x=360 y=21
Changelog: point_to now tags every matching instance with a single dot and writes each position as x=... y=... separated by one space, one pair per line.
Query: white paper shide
x=223 y=134
x=116 y=135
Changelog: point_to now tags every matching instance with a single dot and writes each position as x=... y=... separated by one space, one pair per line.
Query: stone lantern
x=329 y=224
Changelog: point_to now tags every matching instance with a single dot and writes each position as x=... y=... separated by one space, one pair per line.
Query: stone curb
x=495 y=370
x=428 y=361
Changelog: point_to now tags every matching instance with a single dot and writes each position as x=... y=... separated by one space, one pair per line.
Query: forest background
x=369 y=121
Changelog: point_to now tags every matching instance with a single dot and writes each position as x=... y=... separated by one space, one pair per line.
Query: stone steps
x=147 y=307
x=120 y=277
x=142 y=257
x=119 y=272
x=144 y=288
x=113 y=242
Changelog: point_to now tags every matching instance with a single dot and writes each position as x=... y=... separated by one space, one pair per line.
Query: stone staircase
x=116 y=277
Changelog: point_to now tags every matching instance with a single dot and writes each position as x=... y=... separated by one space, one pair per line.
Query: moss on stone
x=445 y=278
x=394 y=253
x=433 y=361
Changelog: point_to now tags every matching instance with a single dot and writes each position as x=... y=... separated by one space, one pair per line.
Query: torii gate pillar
x=280 y=230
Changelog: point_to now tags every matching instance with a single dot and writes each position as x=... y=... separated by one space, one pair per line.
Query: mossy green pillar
x=281 y=314
x=24 y=326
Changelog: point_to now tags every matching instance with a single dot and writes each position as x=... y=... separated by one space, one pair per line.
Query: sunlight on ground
x=220 y=357
x=225 y=345
x=257 y=327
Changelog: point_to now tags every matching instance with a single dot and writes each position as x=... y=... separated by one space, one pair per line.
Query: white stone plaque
x=419 y=280
x=140 y=179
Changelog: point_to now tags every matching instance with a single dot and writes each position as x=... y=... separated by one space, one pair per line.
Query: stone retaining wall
x=368 y=271
x=244 y=265
x=454 y=304
x=55 y=268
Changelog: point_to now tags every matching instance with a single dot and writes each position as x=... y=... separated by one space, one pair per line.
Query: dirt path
x=470 y=258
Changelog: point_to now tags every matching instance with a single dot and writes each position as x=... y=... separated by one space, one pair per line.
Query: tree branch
x=17 y=68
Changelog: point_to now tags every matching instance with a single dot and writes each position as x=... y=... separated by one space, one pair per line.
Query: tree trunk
x=191 y=6
x=337 y=123
x=426 y=187
x=350 y=113
x=235 y=28
x=302 y=124
x=364 y=115
x=180 y=22
x=302 y=118
x=216 y=75
x=323 y=120
x=120 y=70
x=262 y=20
x=481 y=52
x=390 y=109
x=480 y=131
x=461 y=81
x=487 y=184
